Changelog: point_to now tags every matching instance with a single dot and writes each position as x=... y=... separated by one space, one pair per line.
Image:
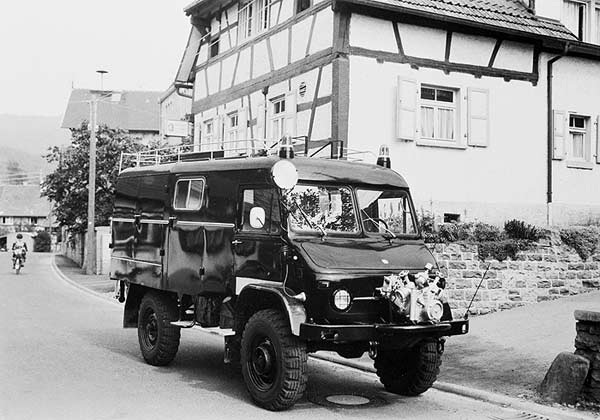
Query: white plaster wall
x=287 y=10
x=471 y=49
x=514 y=56
x=323 y=33
x=279 y=46
x=549 y=8
x=510 y=171
x=261 y=64
x=227 y=69
x=364 y=29
x=243 y=70
x=200 y=85
x=419 y=41
x=213 y=72
x=576 y=88
x=300 y=32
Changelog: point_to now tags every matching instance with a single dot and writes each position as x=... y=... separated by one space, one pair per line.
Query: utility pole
x=91 y=234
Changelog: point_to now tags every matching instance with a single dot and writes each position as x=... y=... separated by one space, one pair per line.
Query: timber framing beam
x=446 y=66
x=318 y=59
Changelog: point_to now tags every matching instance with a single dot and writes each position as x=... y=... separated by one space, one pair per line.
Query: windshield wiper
x=384 y=224
x=313 y=225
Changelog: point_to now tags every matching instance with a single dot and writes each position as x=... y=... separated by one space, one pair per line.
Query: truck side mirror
x=257 y=217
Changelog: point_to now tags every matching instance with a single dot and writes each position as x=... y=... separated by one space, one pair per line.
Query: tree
x=42 y=242
x=66 y=187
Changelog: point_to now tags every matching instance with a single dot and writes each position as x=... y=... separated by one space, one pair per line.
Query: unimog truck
x=283 y=256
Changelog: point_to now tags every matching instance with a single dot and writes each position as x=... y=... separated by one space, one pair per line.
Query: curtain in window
x=446 y=118
x=578 y=142
x=571 y=16
x=427 y=129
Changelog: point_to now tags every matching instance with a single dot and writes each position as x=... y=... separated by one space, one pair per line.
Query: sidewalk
x=504 y=352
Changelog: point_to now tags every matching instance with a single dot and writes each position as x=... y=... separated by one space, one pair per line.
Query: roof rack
x=233 y=149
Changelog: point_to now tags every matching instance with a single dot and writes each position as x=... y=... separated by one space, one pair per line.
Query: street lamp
x=91 y=233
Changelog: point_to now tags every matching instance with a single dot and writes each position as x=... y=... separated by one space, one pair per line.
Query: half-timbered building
x=489 y=110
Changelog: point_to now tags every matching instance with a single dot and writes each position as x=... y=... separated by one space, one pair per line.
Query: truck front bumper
x=379 y=332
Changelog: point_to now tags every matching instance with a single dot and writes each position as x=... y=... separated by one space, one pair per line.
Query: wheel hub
x=152 y=329
x=262 y=358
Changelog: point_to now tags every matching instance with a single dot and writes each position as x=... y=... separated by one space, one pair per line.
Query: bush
x=42 y=242
x=453 y=232
x=427 y=226
x=517 y=229
x=584 y=240
x=482 y=232
x=501 y=250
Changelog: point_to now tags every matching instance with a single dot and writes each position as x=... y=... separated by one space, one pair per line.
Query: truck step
x=223 y=332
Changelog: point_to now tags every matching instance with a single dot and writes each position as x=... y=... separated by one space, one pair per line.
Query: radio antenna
x=476 y=290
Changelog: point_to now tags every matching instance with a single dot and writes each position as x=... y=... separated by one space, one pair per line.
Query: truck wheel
x=409 y=372
x=159 y=340
x=273 y=361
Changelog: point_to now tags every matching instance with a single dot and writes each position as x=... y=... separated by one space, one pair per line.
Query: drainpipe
x=550 y=139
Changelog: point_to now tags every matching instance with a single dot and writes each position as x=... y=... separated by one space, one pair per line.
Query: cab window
x=260 y=211
x=188 y=194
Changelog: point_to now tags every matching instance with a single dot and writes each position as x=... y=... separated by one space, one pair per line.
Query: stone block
x=463 y=284
x=528 y=266
x=520 y=284
x=550 y=258
x=457 y=265
x=470 y=274
x=587 y=316
x=570 y=275
x=514 y=265
x=494 y=284
x=576 y=266
x=544 y=284
x=584 y=275
x=552 y=275
x=565 y=378
x=534 y=257
x=558 y=283
x=544 y=298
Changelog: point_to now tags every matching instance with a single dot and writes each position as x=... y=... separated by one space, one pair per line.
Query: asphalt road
x=64 y=355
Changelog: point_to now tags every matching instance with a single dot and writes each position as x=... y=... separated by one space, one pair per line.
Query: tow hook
x=440 y=346
x=373 y=349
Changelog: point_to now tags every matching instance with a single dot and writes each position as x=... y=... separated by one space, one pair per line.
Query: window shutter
x=242 y=131
x=597 y=138
x=290 y=114
x=478 y=108
x=406 y=109
x=259 y=132
x=559 y=134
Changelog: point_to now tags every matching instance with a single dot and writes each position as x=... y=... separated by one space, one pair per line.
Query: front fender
x=256 y=297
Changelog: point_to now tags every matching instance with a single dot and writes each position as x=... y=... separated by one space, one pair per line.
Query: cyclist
x=19 y=248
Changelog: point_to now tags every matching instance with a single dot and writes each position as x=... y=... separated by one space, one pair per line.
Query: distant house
x=489 y=110
x=136 y=112
x=175 y=114
x=22 y=209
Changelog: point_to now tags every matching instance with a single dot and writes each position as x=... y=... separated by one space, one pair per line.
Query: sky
x=48 y=46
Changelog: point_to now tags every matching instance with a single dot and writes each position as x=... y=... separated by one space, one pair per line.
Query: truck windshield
x=386 y=212
x=322 y=208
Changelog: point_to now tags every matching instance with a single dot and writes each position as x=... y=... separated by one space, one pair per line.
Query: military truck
x=283 y=256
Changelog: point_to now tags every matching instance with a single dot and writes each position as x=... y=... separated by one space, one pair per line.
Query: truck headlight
x=341 y=299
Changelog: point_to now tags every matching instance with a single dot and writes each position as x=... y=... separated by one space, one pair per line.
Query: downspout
x=550 y=132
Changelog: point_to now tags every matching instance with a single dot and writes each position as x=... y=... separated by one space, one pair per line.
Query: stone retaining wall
x=587 y=344
x=547 y=271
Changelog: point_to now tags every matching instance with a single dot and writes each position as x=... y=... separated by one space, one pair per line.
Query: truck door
x=257 y=242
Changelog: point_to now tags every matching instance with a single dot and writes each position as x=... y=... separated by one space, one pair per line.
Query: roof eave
x=541 y=39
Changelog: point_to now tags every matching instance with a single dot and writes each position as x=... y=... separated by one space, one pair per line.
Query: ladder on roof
x=234 y=149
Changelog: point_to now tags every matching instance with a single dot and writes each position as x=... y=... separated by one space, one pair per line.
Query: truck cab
x=283 y=256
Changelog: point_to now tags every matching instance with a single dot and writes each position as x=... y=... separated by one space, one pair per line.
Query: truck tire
x=412 y=371
x=273 y=361
x=159 y=340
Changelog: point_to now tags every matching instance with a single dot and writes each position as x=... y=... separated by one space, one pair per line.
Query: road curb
x=476 y=394
x=58 y=272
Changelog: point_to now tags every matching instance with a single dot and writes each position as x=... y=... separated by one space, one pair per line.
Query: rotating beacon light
x=384 y=157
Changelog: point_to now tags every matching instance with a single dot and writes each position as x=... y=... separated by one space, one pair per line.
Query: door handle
x=236 y=242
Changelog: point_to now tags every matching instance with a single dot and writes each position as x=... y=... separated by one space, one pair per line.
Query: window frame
x=458 y=141
x=279 y=117
x=257 y=13
x=584 y=162
x=232 y=129
x=268 y=212
x=587 y=30
x=175 y=190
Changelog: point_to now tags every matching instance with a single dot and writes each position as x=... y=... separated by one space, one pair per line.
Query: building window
x=34 y=220
x=578 y=146
x=575 y=16
x=439 y=113
x=302 y=5
x=207 y=134
x=254 y=17
x=278 y=118
x=232 y=130
x=267 y=199
x=214 y=47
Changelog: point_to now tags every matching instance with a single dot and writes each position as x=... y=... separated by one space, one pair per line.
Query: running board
x=223 y=332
